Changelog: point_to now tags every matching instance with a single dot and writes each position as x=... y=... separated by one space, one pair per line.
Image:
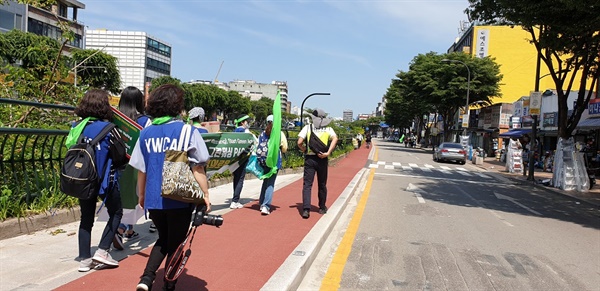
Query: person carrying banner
x=239 y=174
x=320 y=143
x=131 y=104
x=196 y=117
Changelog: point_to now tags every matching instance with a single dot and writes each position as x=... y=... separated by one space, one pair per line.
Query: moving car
x=450 y=151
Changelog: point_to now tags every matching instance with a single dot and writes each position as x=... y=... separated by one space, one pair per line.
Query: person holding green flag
x=264 y=152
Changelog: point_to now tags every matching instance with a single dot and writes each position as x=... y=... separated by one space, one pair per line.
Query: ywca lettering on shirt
x=160 y=144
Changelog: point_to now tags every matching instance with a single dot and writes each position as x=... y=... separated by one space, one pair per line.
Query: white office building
x=141 y=57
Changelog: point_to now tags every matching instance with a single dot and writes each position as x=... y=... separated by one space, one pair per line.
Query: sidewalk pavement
x=244 y=254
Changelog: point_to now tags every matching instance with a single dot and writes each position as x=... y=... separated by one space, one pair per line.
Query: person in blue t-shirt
x=131 y=104
x=196 y=117
x=172 y=218
x=96 y=113
x=243 y=125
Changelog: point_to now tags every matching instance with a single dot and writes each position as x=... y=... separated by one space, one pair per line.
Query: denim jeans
x=266 y=192
x=312 y=165
x=88 y=214
x=238 y=180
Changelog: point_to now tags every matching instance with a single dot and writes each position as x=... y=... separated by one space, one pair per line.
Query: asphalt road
x=424 y=225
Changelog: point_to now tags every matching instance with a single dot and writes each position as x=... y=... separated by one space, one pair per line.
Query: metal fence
x=30 y=159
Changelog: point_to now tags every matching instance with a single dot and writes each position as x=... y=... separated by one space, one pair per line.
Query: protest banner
x=128 y=128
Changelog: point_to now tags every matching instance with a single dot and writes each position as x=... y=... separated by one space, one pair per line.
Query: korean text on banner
x=128 y=128
x=226 y=149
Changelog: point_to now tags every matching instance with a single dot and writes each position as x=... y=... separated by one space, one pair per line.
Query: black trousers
x=312 y=165
x=172 y=226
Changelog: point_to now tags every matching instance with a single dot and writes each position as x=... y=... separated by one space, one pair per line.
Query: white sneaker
x=85 y=265
x=236 y=205
x=264 y=210
x=102 y=256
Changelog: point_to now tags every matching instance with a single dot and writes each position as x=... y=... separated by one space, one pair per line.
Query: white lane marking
x=464 y=173
x=461 y=169
x=445 y=172
x=389 y=167
x=483 y=206
x=425 y=169
x=482 y=175
x=373 y=166
x=406 y=168
x=445 y=168
x=381 y=163
x=414 y=165
x=396 y=164
x=429 y=166
x=500 y=196
x=429 y=178
x=412 y=188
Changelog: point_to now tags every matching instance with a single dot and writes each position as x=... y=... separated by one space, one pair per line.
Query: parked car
x=450 y=151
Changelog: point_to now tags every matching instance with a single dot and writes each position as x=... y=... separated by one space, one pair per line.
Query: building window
x=62 y=10
x=45 y=29
x=7 y=20
x=158 y=47
x=158 y=66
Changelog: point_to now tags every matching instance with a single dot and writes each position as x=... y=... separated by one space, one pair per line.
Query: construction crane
x=219 y=71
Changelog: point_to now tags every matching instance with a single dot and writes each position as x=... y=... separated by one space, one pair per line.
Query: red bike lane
x=246 y=251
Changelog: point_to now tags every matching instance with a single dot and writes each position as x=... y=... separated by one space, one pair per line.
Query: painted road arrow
x=500 y=196
x=412 y=188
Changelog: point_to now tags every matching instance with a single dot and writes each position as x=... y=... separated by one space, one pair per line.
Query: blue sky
x=351 y=49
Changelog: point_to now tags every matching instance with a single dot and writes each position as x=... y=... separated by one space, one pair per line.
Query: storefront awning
x=589 y=123
x=516 y=133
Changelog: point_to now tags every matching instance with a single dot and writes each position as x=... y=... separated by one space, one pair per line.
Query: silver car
x=450 y=151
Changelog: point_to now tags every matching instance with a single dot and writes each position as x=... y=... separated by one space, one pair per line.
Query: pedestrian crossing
x=426 y=168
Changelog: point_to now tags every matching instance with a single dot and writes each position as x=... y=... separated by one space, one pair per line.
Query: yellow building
x=513 y=52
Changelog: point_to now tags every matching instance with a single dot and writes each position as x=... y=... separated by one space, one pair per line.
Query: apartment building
x=43 y=21
x=140 y=57
x=255 y=90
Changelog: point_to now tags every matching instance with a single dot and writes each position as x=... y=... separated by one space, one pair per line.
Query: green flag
x=274 y=139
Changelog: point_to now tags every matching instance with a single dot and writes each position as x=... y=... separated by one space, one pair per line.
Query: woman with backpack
x=96 y=114
x=131 y=104
x=171 y=217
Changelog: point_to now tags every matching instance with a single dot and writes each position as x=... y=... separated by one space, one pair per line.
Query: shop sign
x=550 y=119
x=594 y=107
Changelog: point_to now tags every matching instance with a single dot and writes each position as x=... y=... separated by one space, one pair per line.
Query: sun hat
x=319 y=118
x=196 y=112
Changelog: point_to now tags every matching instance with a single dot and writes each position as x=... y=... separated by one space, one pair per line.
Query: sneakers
x=118 y=242
x=264 y=210
x=102 y=256
x=131 y=236
x=152 y=228
x=86 y=265
x=144 y=285
x=305 y=213
x=236 y=205
x=323 y=210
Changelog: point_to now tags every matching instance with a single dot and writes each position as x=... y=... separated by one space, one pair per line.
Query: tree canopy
x=433 y=86
x=566 y=36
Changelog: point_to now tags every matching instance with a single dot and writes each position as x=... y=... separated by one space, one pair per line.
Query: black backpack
x=78 y=176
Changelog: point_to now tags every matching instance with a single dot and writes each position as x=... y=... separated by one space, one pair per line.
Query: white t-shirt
x=318 y=131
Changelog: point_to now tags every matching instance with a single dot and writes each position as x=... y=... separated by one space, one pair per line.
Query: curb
x=291 y=273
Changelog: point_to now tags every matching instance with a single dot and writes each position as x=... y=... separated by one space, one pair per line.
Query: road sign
x=535 y=103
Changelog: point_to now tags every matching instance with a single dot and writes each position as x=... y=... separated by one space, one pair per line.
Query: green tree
x=261 y=109
x=430 y=86
x=96 y=69
x=565 y=35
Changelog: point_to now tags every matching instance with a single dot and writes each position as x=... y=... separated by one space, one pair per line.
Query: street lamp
x=77 y=69
x=468 y=89
x=302 y=106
